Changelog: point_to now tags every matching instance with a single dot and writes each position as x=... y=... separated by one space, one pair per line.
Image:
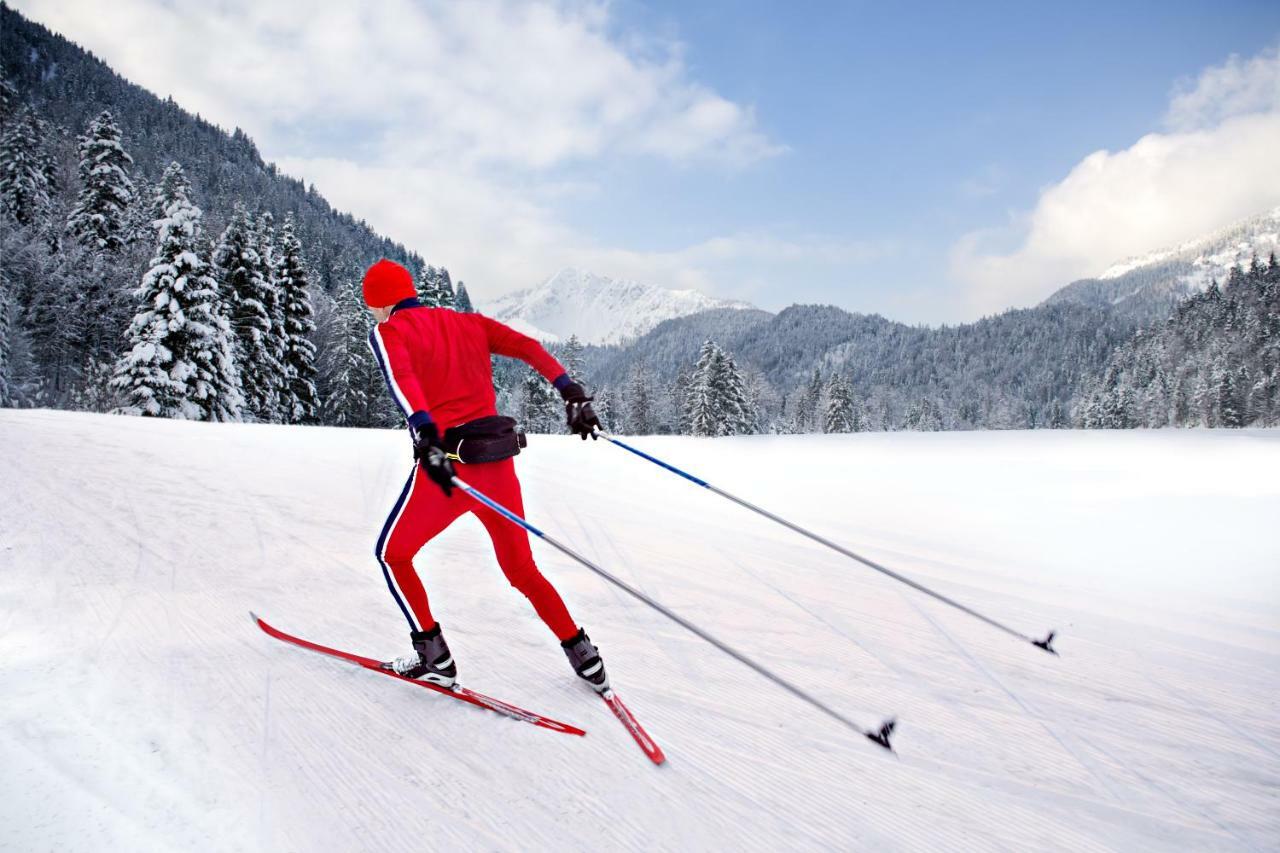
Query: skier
x=436 y=365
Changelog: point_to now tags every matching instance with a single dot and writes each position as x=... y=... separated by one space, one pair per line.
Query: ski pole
x=1046 y=643
x=880 y=737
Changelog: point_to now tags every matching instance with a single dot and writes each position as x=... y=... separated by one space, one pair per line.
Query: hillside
x=143 y=711
x=1022 y=368
x=1147 y=288
x=68 y=86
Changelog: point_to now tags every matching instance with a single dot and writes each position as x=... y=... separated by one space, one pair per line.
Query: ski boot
x=585 y=660
x=430 y=660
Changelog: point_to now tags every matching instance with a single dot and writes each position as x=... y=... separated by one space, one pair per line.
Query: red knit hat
x=386 y=283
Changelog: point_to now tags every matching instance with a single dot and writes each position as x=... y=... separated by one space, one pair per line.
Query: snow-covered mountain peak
x=1213 y=255
x=596 y=308
x=1146 y=287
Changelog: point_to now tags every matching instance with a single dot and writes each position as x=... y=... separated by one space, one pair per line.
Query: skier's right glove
x=578 y=413
x=430 y=453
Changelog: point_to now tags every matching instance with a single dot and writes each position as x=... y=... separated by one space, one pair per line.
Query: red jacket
x=436 y=362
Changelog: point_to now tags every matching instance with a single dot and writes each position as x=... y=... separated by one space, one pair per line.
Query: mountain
x=68 y=86
x=1147 y=287
x=596 y=308
x=1019 y=369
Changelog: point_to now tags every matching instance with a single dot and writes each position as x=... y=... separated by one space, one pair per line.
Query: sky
x=931 y=162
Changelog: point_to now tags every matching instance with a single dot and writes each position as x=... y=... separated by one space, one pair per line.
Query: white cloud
x=1216 y=163
x=524 y=85
x=498 y=239
x=452 y=127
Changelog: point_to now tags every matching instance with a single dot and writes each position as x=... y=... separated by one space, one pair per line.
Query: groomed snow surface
x=142 y=710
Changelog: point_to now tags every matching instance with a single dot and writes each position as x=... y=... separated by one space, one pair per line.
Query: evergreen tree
x=173 y=183
x=180 y=361
x=348 y=372
x=603 y=407
x=267 y=244
x=445 y=296
x=542 y=411
x=572 y=356
x=640 y=416
x=98 y=219
x=429 y=290
x=24 y=170
x=718 y=401
x=462 y=301
x=704 y=411
x=805 y=416
x=20 y=383
x=239 y=269
x=138 y=225
x=1229 y=413
x=300 y=405
x=8 y=324
x=839 y=415
x=739 y=415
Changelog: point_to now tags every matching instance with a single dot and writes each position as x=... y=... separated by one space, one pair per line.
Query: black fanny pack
x=488 y=439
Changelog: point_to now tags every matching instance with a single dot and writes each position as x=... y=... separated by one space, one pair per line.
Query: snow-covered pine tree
x=180 y=361
x=24 y=179
x=444 y=289
x=602 y=405
x=462 y=300
x=572 y=357
x=96 y=392
x=267 y=244
x=428 y=290
x=681 y=400
x=541 y=410
x=805 y=410
x=740 y=415
x=8 y=307
x=704 y=410
x=640 y=418
x=98 y=219
x=239 y=270
x=138 y=224
x=173 y=183
x=839 y=416
x=353 y=392
x=345 y=358
x=20 y=382
x=300 y=405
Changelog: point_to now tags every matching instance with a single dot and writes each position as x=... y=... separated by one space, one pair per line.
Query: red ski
x=624 y=715
x=477 y=699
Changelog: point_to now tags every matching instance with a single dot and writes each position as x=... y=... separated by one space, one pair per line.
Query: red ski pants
x=423 y=511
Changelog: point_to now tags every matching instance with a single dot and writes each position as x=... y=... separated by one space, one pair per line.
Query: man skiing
x=436 y=365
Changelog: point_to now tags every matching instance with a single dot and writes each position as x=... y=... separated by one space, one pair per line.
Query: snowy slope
x=143 y=711
x=1214 y=255
x=1146 y=285
x=598 y=309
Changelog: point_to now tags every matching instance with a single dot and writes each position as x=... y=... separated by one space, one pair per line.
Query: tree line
x=113 y=299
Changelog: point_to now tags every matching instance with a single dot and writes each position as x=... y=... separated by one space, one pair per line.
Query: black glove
x=428 y=450
x=578 y=413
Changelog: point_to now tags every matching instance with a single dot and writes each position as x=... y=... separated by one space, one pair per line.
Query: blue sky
x=931 y=162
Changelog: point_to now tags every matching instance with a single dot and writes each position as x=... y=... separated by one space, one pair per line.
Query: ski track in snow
x=144 y=711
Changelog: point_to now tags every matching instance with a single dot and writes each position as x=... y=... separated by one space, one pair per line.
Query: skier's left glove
x=579 y=415
x=430 y=452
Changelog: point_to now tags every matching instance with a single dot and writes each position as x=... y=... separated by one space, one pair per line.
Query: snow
x=143 y=711
x=1214 y=255
x=598 y=309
